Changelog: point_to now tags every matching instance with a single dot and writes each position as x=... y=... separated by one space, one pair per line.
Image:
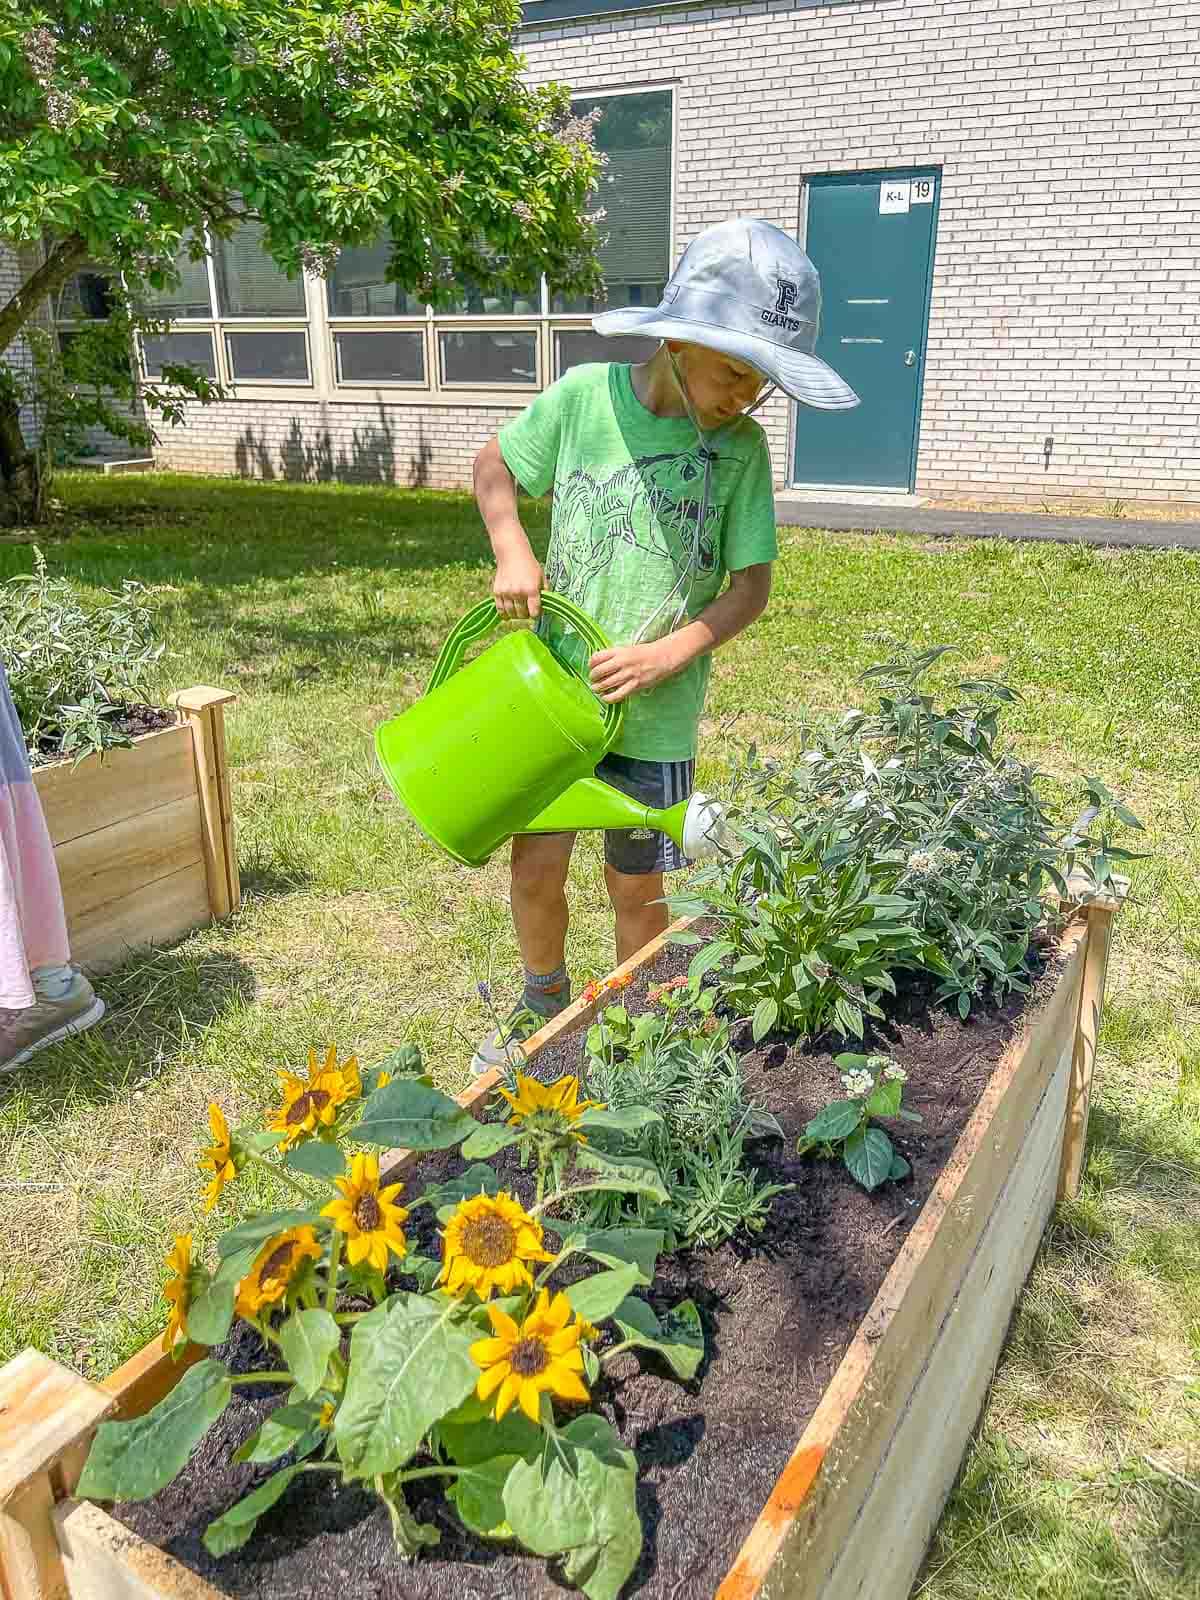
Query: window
x=575 y=346
x=382 y=356
x=278 y=356
x=191 y=299
x=634 y=132
x=249 y=284
x=480 y=358
x=189 y=349
x=358 y=285
x=86 y=296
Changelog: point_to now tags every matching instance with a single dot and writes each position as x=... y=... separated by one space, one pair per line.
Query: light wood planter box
x=854 y=1510
x=143 y=836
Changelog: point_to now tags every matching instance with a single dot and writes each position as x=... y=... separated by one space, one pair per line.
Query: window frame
x=321 y=326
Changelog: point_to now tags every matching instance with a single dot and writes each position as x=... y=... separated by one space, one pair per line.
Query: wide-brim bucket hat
x=747 y=289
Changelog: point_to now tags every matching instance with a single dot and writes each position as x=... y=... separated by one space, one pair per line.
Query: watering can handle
x=483 y=618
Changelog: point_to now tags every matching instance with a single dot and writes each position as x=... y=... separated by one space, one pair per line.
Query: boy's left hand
x=630 y=669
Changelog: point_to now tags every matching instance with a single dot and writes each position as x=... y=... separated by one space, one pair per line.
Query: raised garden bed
x=143 y=835
x=858 y=1450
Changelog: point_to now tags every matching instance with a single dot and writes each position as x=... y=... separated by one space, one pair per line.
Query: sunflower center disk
x=528 y=1358
x=277 y=1262
x=311 y=1100
x=489 y=1241
x=367 y=1213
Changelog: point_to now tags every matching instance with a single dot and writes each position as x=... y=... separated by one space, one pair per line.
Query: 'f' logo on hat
x=786 y=298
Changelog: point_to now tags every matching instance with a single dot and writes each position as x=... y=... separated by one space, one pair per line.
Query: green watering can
x=510 y=743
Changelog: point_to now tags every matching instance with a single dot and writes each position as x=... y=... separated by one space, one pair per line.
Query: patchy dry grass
x=324 y=607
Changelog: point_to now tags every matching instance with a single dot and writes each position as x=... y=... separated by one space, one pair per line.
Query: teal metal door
x=871 y=238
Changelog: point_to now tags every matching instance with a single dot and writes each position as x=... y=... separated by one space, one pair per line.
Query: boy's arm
x=517 y=586
x=631 y=669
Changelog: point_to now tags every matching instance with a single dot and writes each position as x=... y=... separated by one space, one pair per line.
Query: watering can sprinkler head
x=704 y=829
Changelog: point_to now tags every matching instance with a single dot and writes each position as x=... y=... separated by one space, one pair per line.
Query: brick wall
x=1066 y=298
x=17 y=354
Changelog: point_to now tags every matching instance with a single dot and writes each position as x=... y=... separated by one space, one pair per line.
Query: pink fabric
x=33 y=925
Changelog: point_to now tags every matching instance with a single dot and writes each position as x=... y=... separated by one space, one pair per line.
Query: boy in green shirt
x=662 y=490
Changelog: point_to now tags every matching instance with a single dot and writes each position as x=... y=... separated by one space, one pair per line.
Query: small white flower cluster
x=320 y=260
x=889 y=1069
x=347 y=34
x=579 y=130
x=522 y=210
x=858 y=1082
x=40 y=49
x=451 y=185
x=60 y=109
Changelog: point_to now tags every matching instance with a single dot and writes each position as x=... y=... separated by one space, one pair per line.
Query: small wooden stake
x=1083 y=1061
x=47 y=1418
x=204 y=709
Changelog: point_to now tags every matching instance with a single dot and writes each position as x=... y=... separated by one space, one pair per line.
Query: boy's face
x=718 y=386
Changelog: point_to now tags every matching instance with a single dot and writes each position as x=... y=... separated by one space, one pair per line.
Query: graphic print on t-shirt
x=637 y=526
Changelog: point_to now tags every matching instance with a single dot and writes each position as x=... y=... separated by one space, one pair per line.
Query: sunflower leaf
x=679 y=1340
x=210 y=1313
x=308 y=1339
x=133 y=1460
x=583 y=1509
x=230 y=1532
x=625 y=1174
x=287 y=1428
x=318 y=1159
x=255 y=1139
x=625 y=1120
x=470 y=1434
x=598 y=1297
x=477 y=1179
x=411 y=1115
x=410 y=1535
x=488 y=1139
x=478 y=1495
x=405 y=1374
x=617 y=1246
x=257 y=1230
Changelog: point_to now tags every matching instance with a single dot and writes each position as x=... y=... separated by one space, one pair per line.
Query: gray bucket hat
x=747 y=289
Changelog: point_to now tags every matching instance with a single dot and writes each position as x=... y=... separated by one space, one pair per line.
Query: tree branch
x=58 y=266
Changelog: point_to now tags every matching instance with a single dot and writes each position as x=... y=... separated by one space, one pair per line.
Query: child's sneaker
x=23 y=1033
x=502 y=1047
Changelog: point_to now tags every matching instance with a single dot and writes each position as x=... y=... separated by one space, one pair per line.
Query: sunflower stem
x=616 y=1350
x=321 y=1466
x=562 y=1255
x=562 y=1194
x=335 y=1261
x=263 y=1377
x=429 y=1472
x=282 y=1173
x=346 y=1319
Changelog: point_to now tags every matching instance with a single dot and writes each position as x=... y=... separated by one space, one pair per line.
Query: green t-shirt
x=627 y=489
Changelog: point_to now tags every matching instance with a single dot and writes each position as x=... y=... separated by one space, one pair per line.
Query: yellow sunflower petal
x=486 y=1352
x=567 y=1386
x=529 y=1397
x=509 y=1390
x=491 y=1380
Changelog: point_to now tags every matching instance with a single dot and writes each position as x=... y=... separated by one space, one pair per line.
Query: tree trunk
x=20 y=472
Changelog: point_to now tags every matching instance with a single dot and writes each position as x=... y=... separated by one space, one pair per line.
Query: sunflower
x=219 y=1157
x=549 y=1107
x=312 y=1103
x=489 y=1239
x=325 y=1420
x=368 y=1215
x=275 y=1268
x=540 y=1356
x=179 y=1290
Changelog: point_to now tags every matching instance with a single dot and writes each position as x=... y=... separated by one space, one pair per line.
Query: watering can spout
x=696 y=825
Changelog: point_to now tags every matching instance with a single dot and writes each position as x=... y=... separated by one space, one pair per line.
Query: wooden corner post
x=47 y=1418
x=1100 y=910
x=204 y=709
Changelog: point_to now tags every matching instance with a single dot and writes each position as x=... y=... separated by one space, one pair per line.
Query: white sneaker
x=23 y=1033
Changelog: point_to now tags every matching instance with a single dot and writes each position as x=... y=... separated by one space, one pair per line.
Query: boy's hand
x=517 y=586
x=631 y=668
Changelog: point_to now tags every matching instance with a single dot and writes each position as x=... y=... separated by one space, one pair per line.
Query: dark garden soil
x=779 y=1311
x=132 y=720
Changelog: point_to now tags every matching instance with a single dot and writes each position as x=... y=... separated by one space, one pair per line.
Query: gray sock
x=547 y=993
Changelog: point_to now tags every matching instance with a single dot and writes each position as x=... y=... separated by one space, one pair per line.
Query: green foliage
x=133 y=1460
x=874 y=1088
x=802 y=945
x=677 y=1058
x=71 y=667
x=408 y=1114
x=921 y=797
x=130 y=124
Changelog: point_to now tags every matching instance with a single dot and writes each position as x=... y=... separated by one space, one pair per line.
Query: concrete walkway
x=1116 y=533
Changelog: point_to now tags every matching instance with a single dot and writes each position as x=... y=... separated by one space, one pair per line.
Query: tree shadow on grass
x=155 y=1003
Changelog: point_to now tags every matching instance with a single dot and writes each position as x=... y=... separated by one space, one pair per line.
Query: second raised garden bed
x=873 y=1450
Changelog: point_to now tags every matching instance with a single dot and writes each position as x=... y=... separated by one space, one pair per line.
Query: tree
x=130 y=128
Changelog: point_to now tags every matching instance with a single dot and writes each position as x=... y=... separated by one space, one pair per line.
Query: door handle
x=910 y=358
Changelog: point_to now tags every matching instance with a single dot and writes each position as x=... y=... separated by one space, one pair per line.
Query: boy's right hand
x=517 y=587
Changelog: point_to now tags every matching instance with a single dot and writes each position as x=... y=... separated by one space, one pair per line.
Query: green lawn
x=324 y=607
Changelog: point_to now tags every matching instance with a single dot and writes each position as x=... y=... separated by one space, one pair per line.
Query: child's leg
x=638 y=919
x=540 y=915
